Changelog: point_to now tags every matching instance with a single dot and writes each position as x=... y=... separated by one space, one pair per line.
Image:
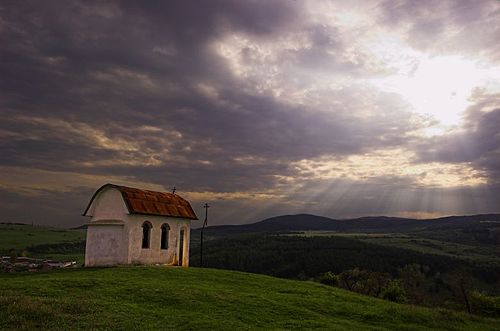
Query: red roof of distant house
x=151 y=202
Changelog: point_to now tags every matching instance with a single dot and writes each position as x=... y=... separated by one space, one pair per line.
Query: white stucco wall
x=106 y=245
x=109 y=243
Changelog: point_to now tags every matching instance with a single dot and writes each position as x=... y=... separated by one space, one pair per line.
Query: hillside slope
x=176 y=298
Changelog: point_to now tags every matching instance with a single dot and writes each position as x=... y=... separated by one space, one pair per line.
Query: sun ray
x=440 y=87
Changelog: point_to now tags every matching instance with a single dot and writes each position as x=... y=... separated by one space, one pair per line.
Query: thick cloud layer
x=259 y=107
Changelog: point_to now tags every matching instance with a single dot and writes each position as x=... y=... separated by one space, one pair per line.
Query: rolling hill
x=197 y=299
x=371 y=224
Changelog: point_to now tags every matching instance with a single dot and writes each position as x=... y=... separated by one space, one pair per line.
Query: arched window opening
x=146 y=234
x=164 y=236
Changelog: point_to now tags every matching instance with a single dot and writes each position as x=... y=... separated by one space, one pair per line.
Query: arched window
x=146 y=234
x=164 y=236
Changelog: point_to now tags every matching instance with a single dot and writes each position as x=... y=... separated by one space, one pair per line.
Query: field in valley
x=42 y=242
x=471 y=252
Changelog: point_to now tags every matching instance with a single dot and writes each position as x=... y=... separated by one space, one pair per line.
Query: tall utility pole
x=206 y=206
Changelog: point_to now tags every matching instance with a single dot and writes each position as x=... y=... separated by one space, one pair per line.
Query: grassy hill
x=175 y=298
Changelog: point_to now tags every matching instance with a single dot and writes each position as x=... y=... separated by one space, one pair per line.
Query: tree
x=461 y=284
x=412 y=276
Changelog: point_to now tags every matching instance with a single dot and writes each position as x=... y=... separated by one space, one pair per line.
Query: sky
x=260 y=108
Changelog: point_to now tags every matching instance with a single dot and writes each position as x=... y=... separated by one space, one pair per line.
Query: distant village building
x=130 y=225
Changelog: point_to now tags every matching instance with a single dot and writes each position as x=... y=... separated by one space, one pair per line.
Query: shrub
x=394 y=292
x=329 y=278
x=364 y=281
x=483 y=304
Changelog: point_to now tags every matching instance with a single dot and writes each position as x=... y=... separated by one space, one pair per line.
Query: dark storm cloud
x=115 y=67
x=127 y=64
x=53 y=51
x=139 y=90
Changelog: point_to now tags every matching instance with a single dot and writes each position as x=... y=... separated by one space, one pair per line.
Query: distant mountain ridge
x=370 y=224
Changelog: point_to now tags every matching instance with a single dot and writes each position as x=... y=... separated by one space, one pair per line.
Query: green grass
x=127 y=298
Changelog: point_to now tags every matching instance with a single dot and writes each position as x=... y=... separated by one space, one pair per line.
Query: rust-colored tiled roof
x=151 y=202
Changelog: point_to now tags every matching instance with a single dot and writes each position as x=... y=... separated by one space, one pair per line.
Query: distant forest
x=295 y=257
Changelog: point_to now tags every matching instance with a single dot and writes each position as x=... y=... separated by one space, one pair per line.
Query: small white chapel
x=133 y=226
